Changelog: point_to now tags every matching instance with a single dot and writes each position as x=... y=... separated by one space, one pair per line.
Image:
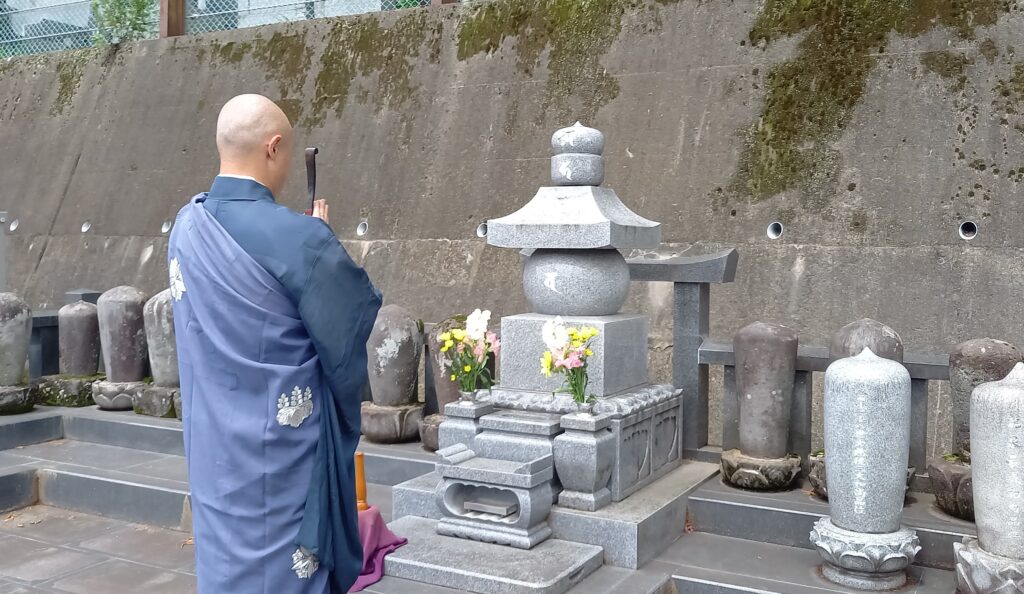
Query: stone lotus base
x=15 y=400
x=980 y=572
x=391 y=424
x=819 y=484
x=57 y=390
x=952 y=485
x=116 y=395
x=863 y=561
x=156 y=401
x=429 y=428
x=759 y=474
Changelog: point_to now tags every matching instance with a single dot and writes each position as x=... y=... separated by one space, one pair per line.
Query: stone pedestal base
x=391 y=424
x=461 y=423
x=980 y=572
x=57 y=390
x=759 y=474
x=15 y=400
x=862 y=561
x=429 y=428
x=952 y=485
x=155 y=401
x=819 y=484
x=584 y=455
x=116 y=395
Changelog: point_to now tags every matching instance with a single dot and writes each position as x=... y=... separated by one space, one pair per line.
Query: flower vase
x=467 y=397
x=585 y=409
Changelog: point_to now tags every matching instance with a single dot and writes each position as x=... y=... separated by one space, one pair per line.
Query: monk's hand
x=320 y=211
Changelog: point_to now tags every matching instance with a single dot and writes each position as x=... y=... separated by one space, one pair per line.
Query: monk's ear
x=274 y=146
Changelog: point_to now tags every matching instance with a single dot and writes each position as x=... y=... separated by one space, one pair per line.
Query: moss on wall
x=1010 y=92
x=811 y=97
x=949 y=65
x=70 y=68
x=574 y=34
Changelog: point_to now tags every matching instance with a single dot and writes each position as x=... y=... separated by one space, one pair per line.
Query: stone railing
x=693 y=354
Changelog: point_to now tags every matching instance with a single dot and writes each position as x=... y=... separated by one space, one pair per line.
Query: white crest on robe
x=177 y=282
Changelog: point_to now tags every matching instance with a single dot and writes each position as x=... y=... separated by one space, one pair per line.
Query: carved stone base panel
x=116 y=395
x=863 y=561
x=980 y=572
x=819 y=483
x=759 y=474
x=518 y=538
x=462 y=423
x=429 y=427
x=391 y=424
x=952 y=485
x=155 y=401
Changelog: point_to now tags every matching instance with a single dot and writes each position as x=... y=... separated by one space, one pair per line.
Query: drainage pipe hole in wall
x=481 y=230
x=362 y=228
x=14 y=225
x=968 y=230
x=775 y=230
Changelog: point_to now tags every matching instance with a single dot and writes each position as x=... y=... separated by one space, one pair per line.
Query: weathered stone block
x=393 y=357
x=155 y=401
x=952 y=485
x=765 y=368
x=391 y=424
x=110 y=395
x=429 y=428
x=15 y=333
x=618 y=364
x=177 y=404
x=971 y=364
x=123 y=335
x=160 y=342
x=759 y=474
x=15 y=400
x=78 y=331
x=57 y=390
x=866 y=333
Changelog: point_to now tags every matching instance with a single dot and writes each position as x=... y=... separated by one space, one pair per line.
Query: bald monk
x=272 y=318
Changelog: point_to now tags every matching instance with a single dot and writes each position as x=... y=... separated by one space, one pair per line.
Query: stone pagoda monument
x=527 y=478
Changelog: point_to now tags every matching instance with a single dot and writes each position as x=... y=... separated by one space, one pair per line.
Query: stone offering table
x=15 y=333
x=993 y=563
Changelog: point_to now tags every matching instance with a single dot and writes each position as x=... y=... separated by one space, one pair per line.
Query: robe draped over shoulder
x=271 y=319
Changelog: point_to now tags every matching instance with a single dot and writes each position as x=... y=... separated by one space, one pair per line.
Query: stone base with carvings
x=980 y=572
x=863 y=561
x=759 y=474
x=391 y=424
x=952 y=485
x=819 y=484
x=58 y=390
x=116 y=395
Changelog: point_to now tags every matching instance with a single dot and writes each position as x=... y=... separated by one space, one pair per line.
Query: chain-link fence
x=216 y=15
x=34 y=26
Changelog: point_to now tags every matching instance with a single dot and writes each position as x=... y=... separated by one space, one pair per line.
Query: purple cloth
x=378 y=542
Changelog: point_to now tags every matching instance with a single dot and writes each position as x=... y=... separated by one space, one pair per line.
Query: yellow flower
x=589 y=352
x=577 y=344
x=467 y=369
x=449 y=343
x=458 y=334
x=445 y=336
x=453 y=377
x=444 y=349
x=574 y=333
x=545 y=363
x=589 y=332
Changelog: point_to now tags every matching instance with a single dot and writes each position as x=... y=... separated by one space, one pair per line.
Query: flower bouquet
x=469 y=350
x=567 y=352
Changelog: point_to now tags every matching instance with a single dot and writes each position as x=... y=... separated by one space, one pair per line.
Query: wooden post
x=361 y=504
x=172 y=18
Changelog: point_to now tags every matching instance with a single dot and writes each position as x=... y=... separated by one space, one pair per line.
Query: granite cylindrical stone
x=163 y=352
x=867 y=442
x=997 y=463
x=866 y=333
x=78 y=339
x=765 y=367
x=123 y=334
x=15 y=334
x=971 y=364
x=575 y=169
x=576 y=282
x=393 y=357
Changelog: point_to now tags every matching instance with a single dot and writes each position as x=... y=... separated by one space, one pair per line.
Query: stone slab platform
x=552 y=567
x=787 y=518
x=631 y=532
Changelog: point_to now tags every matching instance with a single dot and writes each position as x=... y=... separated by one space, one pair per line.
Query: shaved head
x=254 y=140
x=246 y=123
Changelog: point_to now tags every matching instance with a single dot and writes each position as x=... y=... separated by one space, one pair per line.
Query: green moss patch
x=70 y=68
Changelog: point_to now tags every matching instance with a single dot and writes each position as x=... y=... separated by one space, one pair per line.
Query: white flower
x=177 y=282
x=476 y=324
x=554 y=334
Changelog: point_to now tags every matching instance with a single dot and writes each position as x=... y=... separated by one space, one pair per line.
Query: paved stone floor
x=45 y=549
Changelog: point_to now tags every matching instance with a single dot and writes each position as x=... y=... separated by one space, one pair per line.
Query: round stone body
x=163 y=353
x=765 y=366
x=576 y=282
x=866 y=333
x=575 y=169
x=15 y=334
x=577 y=139
x=971 y=364
x=445 y=389
x=123 y=334
x=78 y=339
x=867 y=441
x=997 y=464
x=393 y=357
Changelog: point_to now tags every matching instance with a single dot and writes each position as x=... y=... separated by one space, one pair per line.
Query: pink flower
x=480 y=351
x=573 y=360
x=494 y=343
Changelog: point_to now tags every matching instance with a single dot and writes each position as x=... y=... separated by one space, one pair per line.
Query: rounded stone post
x=765 y=368
x=125 y=354
x=867 y=446
x=393 y=357
x=78 y=332
x=971 y=364
x=158 y=400
x=993 y=563
x=15 y=335
x=445 y=390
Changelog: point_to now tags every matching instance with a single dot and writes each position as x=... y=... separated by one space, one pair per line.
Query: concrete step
x=606 y=580
x=787 y=518
x=709 y=564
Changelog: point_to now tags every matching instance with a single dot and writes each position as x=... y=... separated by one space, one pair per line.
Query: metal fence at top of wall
x=36 y=26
